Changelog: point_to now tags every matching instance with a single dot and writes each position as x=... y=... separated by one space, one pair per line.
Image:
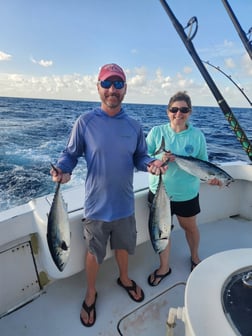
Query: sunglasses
x=106 y=84
x=183 y=109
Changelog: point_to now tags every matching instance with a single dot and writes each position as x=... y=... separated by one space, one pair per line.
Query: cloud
x=45 y=63
x=229 y=62
x=134 y=51
x=228 y=44
x=225 y=49
x=73 y=86
x=4 y=56
x=42 y=62
x=246 y=64
x=187 y=70
x=144 y=86
x=136 y=77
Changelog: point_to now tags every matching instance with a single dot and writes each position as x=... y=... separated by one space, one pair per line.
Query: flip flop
x=193 y=265
x=131 y=288
x=158 y=276
x=88 y=310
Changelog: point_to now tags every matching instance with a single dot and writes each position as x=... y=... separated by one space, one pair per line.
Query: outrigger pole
x=240 y=134
x=246 y=42
x=229 y=78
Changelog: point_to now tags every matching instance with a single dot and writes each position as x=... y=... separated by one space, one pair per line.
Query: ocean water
x=33 y=132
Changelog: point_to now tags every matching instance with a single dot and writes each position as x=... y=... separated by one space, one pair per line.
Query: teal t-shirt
x=180 y=185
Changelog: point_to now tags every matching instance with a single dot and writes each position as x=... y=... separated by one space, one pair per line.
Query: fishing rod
x=187 y=39
x=243 y=36
x=230 y=78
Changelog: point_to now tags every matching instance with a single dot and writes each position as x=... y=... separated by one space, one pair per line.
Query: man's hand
x=59 y=176
x=156 y=167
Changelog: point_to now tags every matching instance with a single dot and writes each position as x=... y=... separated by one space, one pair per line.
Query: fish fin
x=64 y=246
x=163 y=235
x=163 y=238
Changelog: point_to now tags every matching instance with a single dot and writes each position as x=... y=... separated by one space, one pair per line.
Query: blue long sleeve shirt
x=112 y=147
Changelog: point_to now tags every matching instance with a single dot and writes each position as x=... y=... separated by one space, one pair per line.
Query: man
x=113 y=145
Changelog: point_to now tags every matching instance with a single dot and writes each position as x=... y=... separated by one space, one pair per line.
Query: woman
x=181 y=138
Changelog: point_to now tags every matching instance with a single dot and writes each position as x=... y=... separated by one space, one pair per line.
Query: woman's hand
x=168 y=157
x=215 y=181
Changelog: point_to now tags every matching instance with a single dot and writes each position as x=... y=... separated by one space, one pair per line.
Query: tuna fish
x=160 y=219
x=58 y=231
x=204 y=170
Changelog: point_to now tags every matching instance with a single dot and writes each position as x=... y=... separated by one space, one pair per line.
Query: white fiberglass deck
x=56 y=311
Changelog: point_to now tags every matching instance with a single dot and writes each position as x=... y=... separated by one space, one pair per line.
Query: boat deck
x=56 y=311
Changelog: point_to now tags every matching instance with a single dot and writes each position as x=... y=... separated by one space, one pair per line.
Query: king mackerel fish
x=160 y=218
x=58 y=230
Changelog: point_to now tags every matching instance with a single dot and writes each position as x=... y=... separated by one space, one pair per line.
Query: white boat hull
x=32 y=283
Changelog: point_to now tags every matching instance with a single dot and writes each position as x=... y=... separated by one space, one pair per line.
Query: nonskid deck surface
x=57 y=310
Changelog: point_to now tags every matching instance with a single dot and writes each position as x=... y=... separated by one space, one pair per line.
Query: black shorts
x=184 y=208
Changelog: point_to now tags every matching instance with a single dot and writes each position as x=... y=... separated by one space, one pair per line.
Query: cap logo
x=111 y=70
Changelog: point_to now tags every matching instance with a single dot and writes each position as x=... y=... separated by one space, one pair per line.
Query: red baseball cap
x=109 y=70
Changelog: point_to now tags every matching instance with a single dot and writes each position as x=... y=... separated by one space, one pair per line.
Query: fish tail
x=54 y=168
x=161 y=148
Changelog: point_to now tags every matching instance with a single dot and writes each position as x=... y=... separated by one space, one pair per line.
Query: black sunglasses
x=183 y=109
x=106 y=84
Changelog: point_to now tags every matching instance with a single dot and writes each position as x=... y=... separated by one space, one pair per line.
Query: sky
x=54 y=49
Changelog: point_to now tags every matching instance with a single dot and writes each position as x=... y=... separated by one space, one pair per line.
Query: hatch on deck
x=18 y=280
x=150 y=318
x=237 y=301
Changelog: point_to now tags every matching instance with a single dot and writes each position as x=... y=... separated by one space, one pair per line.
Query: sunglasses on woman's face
x=106 y=84
x=183 y=109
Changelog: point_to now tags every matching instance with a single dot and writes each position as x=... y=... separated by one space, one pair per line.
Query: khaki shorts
x=121 y=233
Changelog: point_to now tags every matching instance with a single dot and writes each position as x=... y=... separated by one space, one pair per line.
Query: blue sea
x=33 y=132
